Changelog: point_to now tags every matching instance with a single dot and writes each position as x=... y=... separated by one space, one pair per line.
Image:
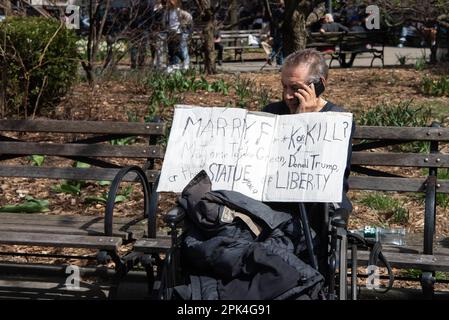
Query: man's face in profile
x=291 y=77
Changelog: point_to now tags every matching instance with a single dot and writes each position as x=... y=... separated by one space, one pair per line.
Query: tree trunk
x=3 y=77
x=295 y=33
x=294 y=27
x=7 y=7
x=209 y=49
x=234 y=13
x=95 y=36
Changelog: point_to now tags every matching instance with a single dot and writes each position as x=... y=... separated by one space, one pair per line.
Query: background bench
x=63 y=142
x=376 y=171
x=341 y=45
x=236 y=40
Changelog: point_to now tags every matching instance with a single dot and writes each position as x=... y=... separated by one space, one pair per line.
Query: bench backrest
x=374 y=38
x=367 y=163
x=84 y=141
x=328 y=39
x=349 y=39
x=363 y=159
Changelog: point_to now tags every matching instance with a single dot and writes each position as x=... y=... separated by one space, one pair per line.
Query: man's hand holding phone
x=308 y=98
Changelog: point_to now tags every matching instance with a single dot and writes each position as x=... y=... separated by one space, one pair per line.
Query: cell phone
x=319 y=87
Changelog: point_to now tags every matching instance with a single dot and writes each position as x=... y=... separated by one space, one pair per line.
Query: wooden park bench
x=377 y=171
x=428 y=256
x=339 y=45
x=62 y=143
x=236 y=40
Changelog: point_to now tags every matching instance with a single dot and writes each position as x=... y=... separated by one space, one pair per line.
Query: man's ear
x=324 y=82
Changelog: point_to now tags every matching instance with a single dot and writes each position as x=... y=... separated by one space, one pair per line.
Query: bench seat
x=126 y=229
x=427 y=262
x=154 y=245
x=59 y=240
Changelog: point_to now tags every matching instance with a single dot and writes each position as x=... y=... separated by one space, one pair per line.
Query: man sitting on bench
x=304 y=77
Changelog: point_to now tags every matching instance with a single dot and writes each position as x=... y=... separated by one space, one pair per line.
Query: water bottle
x=393 y=236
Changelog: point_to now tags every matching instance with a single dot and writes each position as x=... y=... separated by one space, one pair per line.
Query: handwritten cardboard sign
x=286 y=158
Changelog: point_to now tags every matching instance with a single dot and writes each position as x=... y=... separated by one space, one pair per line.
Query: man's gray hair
x=312 y=59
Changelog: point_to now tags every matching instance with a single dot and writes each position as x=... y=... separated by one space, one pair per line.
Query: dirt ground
x=356 y=89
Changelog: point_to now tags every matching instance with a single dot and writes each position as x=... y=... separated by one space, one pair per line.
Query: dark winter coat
x=239 y=248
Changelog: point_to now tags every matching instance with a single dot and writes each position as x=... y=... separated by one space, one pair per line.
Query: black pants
x=219 y=47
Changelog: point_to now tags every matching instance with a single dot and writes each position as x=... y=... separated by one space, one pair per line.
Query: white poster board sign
x=299 y=157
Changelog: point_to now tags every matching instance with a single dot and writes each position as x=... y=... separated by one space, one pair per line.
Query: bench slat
x=127 y=229
x=54 y=219
x=416 y=249
x=54 y=230
x=96 y=174
x=421 y=160
x=393 y=184
x=73 y=126
x=60 y=240
x=401 y=133
x=153 y=245
x=386 y=184
x=86 y=150
x=407 y=260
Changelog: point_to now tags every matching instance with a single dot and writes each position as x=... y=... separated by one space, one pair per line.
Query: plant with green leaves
x=71 y=186
x=37 y=160
x=132 y=117
x=68 y=186
x=435 y=87
x=30 y=205
x=220 y=86
x=402 y=59
x=420 y=63
x=441 y=198
x=40 y=61
x=244 y=88
x=103 y=198
x=387 y=207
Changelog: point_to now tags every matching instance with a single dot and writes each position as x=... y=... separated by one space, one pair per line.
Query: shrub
x=435 y=87
x=41 y=63
x=400 y=115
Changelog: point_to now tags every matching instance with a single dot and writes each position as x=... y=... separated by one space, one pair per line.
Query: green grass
x=435 y=87
x=388 y=208
x=438 y=110
x=415 y=273
x=403 y=114
x=442 y=198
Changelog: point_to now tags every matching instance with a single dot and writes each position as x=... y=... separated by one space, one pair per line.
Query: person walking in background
x=276 y=29
x=178 y=24
x=218 y=47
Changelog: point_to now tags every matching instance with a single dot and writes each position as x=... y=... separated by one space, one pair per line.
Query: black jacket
x=226 y=259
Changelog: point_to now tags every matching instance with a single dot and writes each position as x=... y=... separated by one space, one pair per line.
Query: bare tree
x=418 y=14
x=296 y=19
x=98 y=12
x=207 y=9
x=6 y=6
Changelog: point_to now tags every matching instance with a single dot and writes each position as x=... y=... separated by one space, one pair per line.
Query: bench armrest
x=113 y=193
x=174 y=216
